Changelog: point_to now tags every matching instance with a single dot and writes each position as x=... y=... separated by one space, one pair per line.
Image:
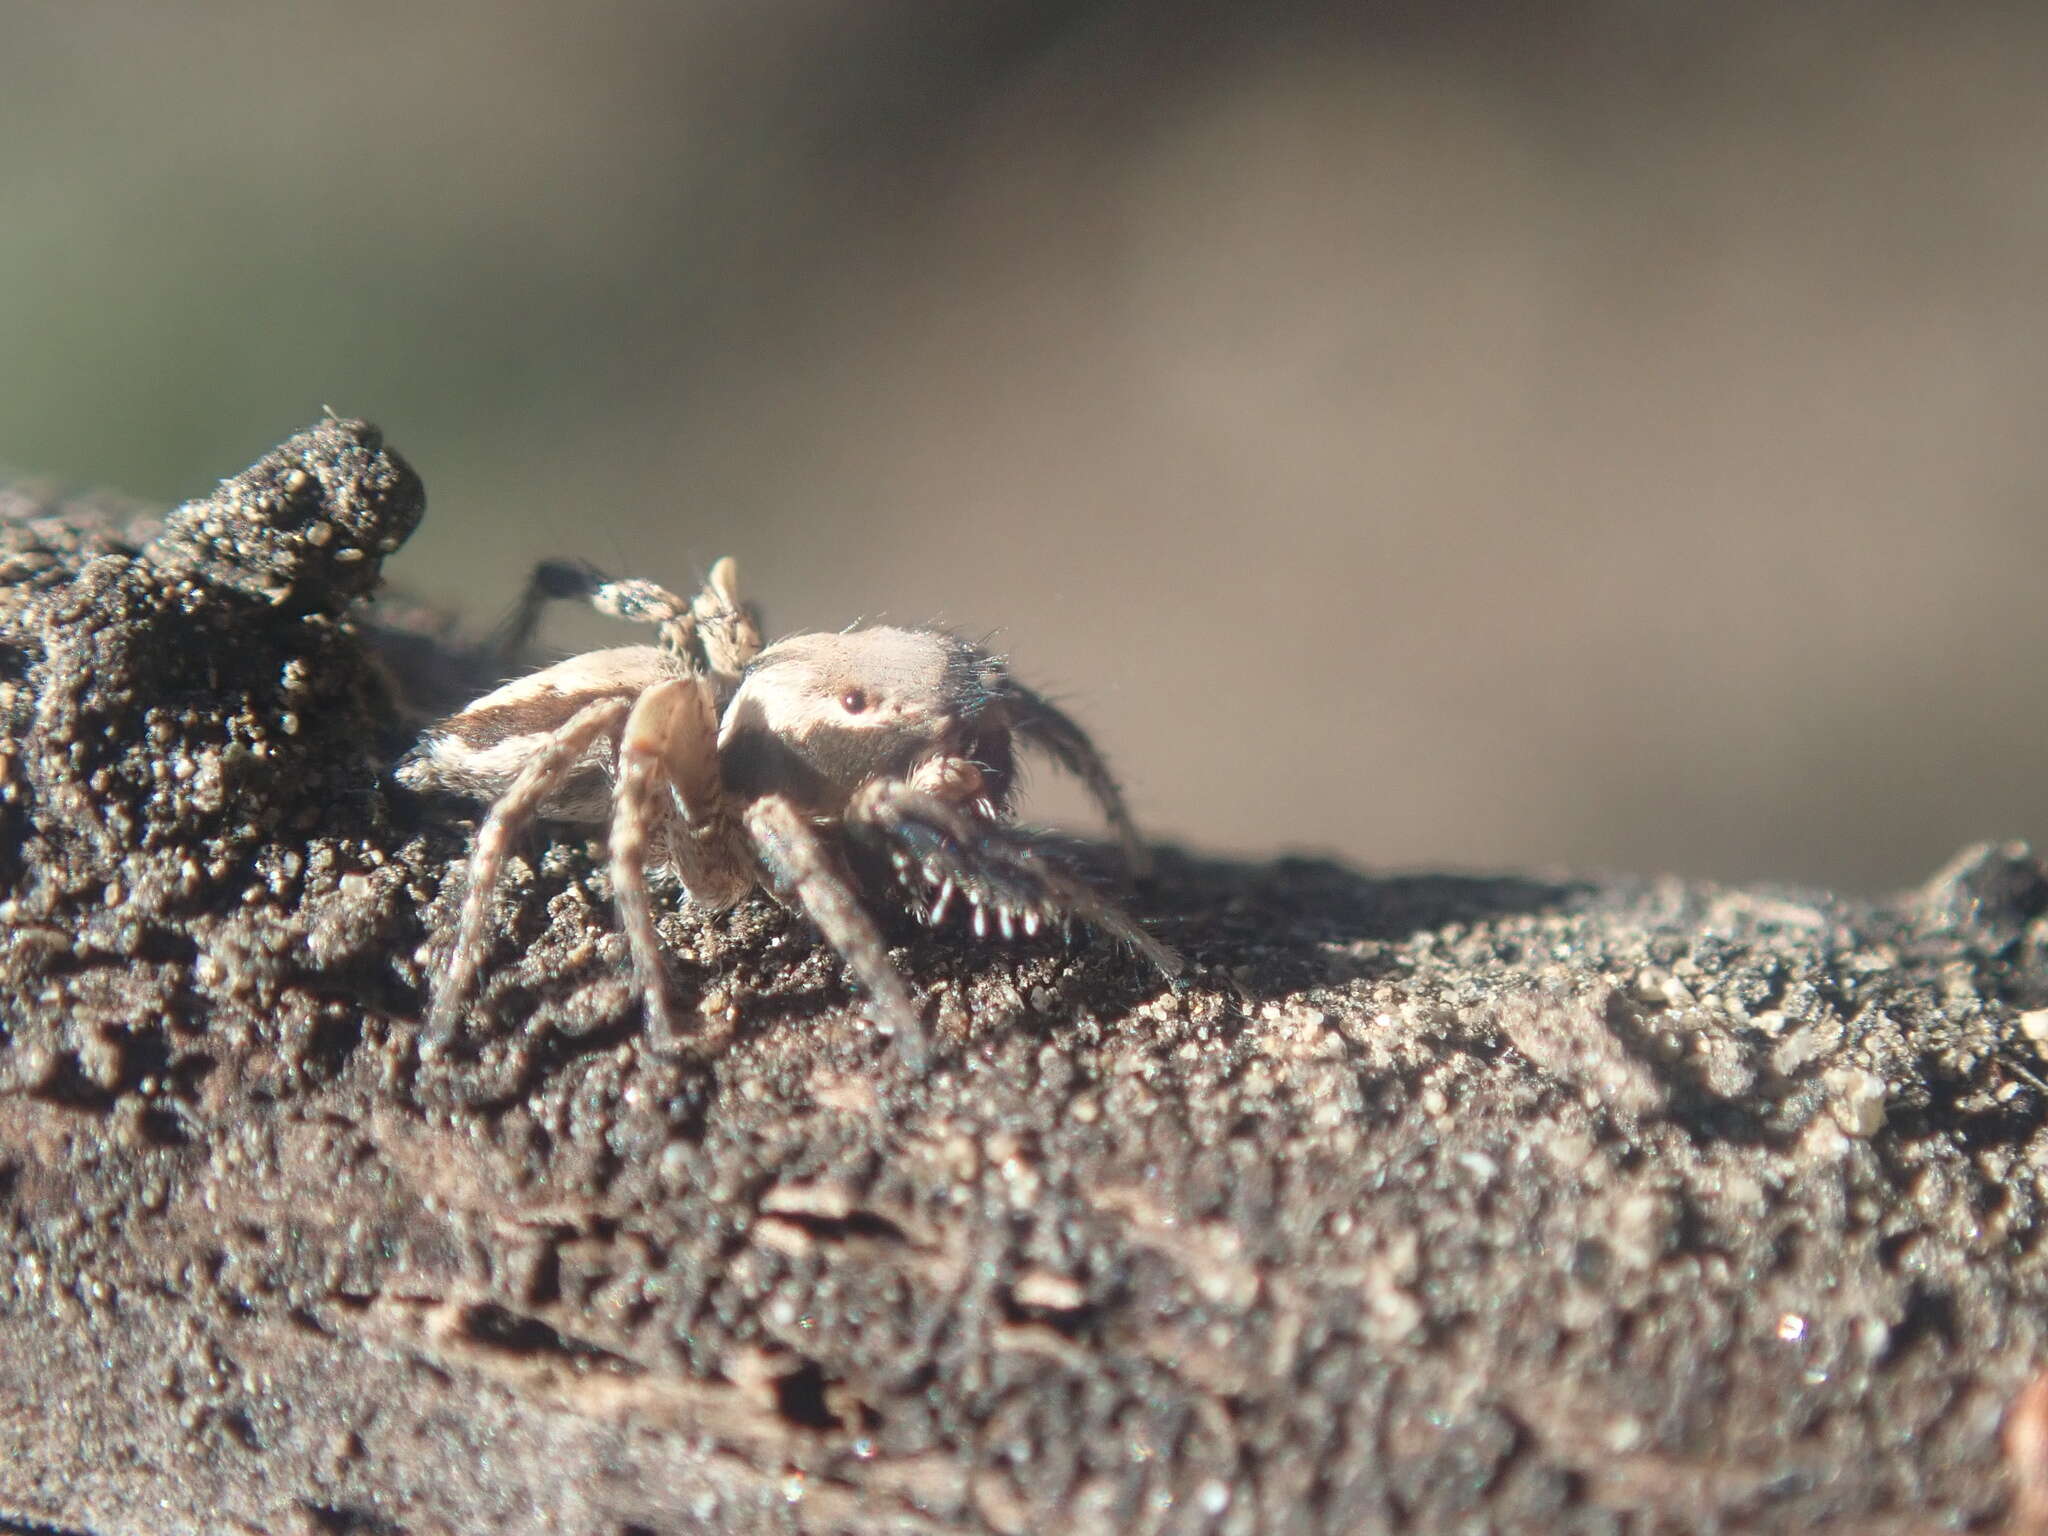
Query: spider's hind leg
x=550 y=581
x=728 y=630
x=546 y=772
x=713 y=632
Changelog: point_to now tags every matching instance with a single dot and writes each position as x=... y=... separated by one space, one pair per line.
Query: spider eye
x=854 y=701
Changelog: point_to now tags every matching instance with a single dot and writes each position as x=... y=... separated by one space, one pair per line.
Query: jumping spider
x=787 y=768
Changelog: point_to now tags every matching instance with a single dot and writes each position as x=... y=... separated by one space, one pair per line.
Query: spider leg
x=804 y=868
x=728 y=630
x=1040 y=723
x=942 y=852
x=706 y=842
x=644 y=602
x=668 y=787
x=638 y=810
x=713 y=631
x=550 y=581
x=544 y=773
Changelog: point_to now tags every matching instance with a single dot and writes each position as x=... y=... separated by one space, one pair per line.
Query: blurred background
x=1610 y=434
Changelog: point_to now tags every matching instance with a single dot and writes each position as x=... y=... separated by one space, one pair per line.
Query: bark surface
x=1427 y=1204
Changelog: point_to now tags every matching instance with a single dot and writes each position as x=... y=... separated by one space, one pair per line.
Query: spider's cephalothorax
x=742 y=767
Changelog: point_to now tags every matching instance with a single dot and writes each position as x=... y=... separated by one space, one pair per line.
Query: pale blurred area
x=1610 y=435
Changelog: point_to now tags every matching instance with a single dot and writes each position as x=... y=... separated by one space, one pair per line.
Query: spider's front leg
x=546 y=772
x=1042 y=724
x=942 y=850
x=806 y=871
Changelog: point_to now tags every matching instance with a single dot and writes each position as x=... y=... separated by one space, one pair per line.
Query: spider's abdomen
x=478 y=751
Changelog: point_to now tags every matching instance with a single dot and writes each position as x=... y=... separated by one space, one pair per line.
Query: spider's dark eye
x=853 y=701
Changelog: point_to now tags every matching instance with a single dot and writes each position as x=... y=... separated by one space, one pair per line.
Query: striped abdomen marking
x=479 y=752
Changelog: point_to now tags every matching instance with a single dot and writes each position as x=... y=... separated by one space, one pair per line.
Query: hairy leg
x=550 y=581
x=943 y=853
x=640 y=807
x=727 y=629
x=668 y=788
x=1042 y=724
x=706 y=842
x=805 y=870
x=712 y=632
x=514 y=811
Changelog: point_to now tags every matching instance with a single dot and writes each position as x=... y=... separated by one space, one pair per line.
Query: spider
x=811 y=767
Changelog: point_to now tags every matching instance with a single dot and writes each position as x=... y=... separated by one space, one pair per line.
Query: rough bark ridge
x=1429 y=1204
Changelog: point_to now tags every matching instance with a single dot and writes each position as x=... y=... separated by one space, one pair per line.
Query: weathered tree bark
x=1428 y=1204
